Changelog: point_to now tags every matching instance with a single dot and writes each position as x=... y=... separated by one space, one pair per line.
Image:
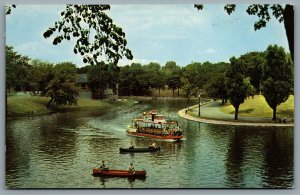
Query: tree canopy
x=61 y=88
x=41 y=73
x=237 y=84
x=254 y=62
x=278 y=77
x=191 y=79
x=17 y=70
x=103 y=76
x=173 y=73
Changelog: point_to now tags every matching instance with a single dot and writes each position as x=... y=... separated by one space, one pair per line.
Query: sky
x=154 y=33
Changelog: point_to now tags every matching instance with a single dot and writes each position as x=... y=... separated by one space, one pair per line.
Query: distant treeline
x=269 y=72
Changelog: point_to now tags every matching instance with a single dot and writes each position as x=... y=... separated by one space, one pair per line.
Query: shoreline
x=158 y=98
x=61 y=110
x=42 y=110
x=182 y=114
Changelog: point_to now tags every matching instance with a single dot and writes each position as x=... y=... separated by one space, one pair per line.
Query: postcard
x=149 y=96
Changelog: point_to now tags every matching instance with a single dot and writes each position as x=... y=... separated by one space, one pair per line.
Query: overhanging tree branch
x=282 y=14
x=95 y=33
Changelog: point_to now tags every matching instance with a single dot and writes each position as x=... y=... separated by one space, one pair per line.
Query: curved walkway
x=212 y=115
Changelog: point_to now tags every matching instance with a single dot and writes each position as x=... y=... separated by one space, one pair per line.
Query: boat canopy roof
x=154 y=119
x=154 y=122
x=137 y=119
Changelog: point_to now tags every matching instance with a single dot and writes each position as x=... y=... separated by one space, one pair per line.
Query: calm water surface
x=60 y=150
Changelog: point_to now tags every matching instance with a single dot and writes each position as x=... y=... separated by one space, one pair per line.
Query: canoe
x=119 y=173
x=149 y=149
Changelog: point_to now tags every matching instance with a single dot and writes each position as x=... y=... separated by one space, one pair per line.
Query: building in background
x=85 y=91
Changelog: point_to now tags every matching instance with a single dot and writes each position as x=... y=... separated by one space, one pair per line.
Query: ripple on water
x=60 y=150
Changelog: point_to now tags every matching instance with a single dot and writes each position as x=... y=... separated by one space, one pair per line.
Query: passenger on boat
x=179 y=133
x=173 y=131
x=165 y=132
x=153 y=145
x=131 y=168
x=103 y=167
x=131 y=146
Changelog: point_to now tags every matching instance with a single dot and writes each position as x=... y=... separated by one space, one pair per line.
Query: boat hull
x=119 y=173
x=149 y=149
x=160 y=137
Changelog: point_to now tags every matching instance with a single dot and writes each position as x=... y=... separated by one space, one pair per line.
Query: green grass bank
x=258 y=107
x=27 y=105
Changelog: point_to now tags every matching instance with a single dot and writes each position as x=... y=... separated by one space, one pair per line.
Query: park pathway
x=212 y=114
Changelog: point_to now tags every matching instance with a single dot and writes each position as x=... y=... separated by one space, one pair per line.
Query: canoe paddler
x=131 y=146
x=131 y=168
x=103 y=167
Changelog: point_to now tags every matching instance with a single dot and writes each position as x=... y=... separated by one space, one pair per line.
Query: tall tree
x=134 y=80
x=155 y=75
x=161 y=81
x=103 y=76
x=169 y=67
x=191 y=79
x=281 y=13
x=237 y=84
x=174 y=81
x=217 y=88
x=278 y=77
x=209 y=71
x=126 y=78
x=254 y=62
x=41 y=73
x=173 y=74
x=17 y=70
x=62 y=89
x=187 y=88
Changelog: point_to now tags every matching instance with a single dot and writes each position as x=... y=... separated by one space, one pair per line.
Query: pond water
x=60 y=150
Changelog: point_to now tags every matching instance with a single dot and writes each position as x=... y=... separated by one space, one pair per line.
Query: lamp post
x=199 y=104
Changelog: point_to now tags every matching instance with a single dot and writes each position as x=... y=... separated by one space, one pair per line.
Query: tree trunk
x=236 y=112
x=173 y=92
x=178 y=92
x=289 y=27
x=49 y=103
x=101 y=93
x=274 y=114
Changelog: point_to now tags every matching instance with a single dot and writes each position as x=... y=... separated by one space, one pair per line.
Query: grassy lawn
x=259 y=107
x=22 y=105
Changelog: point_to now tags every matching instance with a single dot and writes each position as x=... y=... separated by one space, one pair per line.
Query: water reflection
x=234 y=161
x=50 y=151
x=278 y=159
x=260 y=158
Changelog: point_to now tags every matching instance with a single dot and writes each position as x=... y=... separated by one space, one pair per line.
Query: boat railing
x=159 y=131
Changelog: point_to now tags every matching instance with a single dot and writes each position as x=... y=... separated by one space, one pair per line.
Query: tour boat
x=119 y=173
x=155 y=126
x=149 y=149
